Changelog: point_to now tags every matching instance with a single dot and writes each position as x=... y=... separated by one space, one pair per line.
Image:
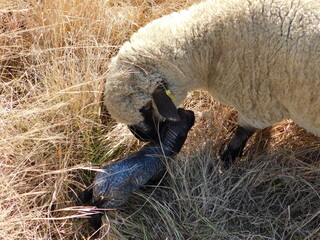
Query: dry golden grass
x=54 y=56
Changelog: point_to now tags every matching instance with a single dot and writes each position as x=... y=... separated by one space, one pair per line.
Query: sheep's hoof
x=227 y=159
x=226 y=162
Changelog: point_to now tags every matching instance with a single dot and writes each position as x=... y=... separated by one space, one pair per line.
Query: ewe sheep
x=260 y=56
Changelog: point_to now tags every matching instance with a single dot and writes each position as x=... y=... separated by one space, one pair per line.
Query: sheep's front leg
x=235 y=147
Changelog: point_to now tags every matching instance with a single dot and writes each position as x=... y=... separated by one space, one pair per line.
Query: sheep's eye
x=146 y=108
x=101 y=199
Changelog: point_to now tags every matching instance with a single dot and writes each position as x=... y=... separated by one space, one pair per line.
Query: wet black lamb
x=114 y=186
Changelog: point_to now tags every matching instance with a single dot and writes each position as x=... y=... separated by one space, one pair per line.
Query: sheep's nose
x=95 y=220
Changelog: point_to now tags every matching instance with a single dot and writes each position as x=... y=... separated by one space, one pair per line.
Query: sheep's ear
x=164 y=104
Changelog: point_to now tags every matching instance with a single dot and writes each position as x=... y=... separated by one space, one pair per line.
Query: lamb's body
x=260 y=56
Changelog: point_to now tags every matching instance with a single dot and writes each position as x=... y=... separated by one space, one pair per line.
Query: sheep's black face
x=148 y=130
x=154 y=115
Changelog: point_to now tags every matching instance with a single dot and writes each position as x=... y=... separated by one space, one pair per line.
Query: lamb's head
x=113 y=187
x=139 y=99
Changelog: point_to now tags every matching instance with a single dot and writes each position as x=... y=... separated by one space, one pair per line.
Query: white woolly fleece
x=260 y=56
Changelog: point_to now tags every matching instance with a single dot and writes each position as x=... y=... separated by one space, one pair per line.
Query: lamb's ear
x=164 y=104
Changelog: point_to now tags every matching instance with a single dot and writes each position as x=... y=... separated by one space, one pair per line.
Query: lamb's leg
x=235 y=147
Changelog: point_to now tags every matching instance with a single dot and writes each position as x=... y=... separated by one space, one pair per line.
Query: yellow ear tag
x=168 y=92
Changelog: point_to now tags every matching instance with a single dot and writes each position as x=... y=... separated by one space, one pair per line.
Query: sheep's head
x=154 y=115
x=140 y=100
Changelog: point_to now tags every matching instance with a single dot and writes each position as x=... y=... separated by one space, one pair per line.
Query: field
x=54 y=133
